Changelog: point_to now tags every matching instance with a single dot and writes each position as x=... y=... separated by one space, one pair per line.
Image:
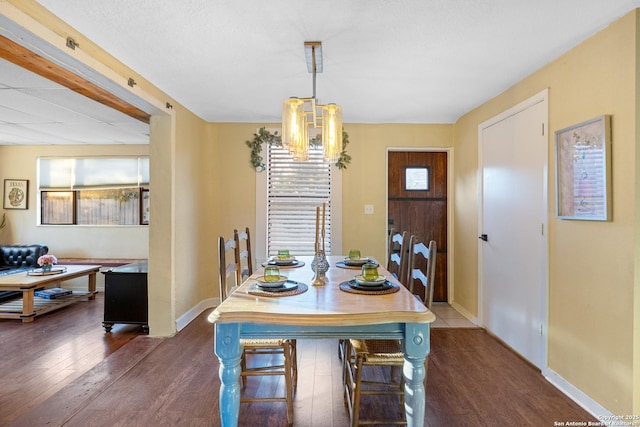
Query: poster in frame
x=16 y=193
x=144 y=206
x=583 y=170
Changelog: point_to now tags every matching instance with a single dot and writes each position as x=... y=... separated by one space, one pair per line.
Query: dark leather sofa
x=17 y=258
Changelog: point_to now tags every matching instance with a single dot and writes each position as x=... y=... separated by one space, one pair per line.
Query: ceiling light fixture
x=299 y=114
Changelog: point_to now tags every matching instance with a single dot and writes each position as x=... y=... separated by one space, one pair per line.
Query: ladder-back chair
x=422 y=271
x=244 y=256
x=262 y=348
x=398 y=252
x=361 y=353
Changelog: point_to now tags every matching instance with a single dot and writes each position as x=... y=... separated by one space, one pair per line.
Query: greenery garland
x=264 y=135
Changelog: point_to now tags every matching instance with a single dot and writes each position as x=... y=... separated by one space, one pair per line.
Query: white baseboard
x=575 y=394
x=188 y=317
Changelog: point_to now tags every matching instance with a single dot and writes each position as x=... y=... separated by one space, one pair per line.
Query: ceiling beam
x=35 y=63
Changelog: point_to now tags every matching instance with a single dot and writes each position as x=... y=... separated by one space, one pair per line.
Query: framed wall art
x=583 y=170
x=16 y=193
x=144 y=206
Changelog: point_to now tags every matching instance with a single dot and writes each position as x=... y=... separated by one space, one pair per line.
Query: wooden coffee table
x=29 y=306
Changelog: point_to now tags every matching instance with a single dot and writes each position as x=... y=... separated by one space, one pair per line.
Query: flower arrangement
x=47 y=261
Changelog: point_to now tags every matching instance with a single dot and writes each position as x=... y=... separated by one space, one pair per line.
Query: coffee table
x=29 y=306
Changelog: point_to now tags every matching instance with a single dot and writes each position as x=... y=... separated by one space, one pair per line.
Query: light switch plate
x=368 y=209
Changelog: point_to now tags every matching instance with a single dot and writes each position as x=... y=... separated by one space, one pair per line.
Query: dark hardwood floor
x=64 y=370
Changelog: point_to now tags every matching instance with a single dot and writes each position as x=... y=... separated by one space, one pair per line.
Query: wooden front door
x=417 y=203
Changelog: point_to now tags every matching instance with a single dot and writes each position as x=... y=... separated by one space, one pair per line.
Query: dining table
x=337 y=309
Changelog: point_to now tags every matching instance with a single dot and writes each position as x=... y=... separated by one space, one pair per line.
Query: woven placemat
x=344 y=286
x=255 y=290
x=343 y=264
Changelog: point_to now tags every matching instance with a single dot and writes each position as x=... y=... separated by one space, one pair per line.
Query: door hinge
x=542 y=129
x=541 y=329
x=542 y=229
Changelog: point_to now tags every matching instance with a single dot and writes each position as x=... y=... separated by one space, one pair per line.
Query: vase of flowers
x=47 y=261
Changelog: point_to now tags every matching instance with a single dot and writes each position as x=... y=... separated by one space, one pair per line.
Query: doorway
x=417 y=203
x=513 y=222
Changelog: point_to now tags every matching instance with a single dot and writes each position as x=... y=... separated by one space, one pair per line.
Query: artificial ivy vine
x=264 y=135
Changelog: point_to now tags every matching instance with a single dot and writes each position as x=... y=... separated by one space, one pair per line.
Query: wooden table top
x=321 y=305
x=22 y=280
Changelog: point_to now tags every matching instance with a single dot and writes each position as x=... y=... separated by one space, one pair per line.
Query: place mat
x=294 y=264
x=346 y=287
x=255 y=290
x=40 y=272
x=343 y=264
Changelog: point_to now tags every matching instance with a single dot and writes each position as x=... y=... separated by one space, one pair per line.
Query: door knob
x=484 y=237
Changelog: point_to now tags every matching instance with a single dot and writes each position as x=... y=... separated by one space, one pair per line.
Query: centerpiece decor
x=264 y=136
x=320 y=265
x=47 y=262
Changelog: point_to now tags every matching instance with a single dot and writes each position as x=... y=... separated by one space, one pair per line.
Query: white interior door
x=513 y=259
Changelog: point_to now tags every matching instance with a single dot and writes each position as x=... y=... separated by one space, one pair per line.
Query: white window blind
x=294 y=191
x=93 y=173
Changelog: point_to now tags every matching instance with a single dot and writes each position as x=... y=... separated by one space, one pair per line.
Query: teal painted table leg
x=416 y=349
x=227 y=348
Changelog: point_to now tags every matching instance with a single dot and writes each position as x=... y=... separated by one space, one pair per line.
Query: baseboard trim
x=575 y=394
x=190 y=315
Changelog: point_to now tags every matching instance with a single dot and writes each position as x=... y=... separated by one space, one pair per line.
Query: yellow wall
x=20 y=162
x=209 y=189
x=591 y=264
x=363 y=182
x=181 y=173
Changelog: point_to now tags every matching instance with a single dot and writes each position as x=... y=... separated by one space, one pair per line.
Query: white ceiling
x=385 y=61
x=36 y=111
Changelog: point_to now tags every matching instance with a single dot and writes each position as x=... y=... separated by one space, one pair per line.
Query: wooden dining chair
x=422 y=270
x=397 y=265
x=398 y=252
x=362 y=353
x=243 y=254
x=259 y=349
x=227 y=269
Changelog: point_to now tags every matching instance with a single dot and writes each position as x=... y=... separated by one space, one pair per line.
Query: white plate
x=360 y=261
x=285 y=261
x=364 y=282
x=276 y=284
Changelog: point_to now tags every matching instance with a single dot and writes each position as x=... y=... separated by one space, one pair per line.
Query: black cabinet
x=125 y=296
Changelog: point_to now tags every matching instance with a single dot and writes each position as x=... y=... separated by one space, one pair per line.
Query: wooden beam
x=28 y=60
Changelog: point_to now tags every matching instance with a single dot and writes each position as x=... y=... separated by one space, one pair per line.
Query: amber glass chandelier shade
x=332 y=132
x=298 y=114
x=300 y=149
x=293 y=123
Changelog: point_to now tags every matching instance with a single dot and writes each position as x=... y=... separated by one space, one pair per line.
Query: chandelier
x=301 y=114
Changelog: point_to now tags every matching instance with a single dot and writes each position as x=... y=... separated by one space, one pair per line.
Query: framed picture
x=144 y=206
x=583 y=170
x=16 y=193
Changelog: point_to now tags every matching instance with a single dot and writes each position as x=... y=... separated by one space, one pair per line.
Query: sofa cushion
x=22 y=256
x=16 y=258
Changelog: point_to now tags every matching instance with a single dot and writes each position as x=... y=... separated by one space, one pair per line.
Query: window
x=287 y=195
x=93 y=191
